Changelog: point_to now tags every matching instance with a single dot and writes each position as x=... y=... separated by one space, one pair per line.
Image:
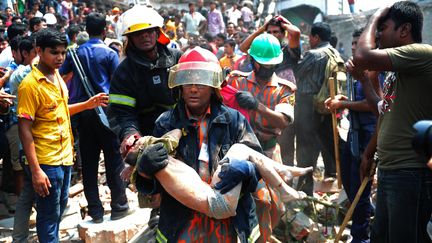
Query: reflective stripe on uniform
x=255 y=234
x=122 y=100
x=160 y=237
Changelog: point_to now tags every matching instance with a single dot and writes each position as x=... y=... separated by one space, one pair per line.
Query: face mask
x=264 y=73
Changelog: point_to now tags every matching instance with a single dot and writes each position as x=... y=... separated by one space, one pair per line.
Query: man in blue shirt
x=362 y=128
x=99 y=63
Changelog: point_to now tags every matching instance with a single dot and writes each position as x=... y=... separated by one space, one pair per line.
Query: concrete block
x=110 y=231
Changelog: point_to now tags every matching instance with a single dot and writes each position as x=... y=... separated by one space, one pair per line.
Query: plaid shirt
x=309 y=72
x=275 y=95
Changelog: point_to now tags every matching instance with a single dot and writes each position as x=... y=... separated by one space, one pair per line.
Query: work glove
x=246 y=100
x=153 y=159
x=233 y=172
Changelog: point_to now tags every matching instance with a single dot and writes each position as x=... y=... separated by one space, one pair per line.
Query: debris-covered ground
x=76 y=225
x=313 y=219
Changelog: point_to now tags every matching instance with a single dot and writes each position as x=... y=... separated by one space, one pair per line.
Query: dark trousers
x=286 y=143
x=404 y=206
x=94 y=137
x=350 y=175
x=314 y=134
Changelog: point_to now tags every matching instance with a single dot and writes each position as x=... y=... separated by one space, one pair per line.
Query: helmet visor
x=204 y=73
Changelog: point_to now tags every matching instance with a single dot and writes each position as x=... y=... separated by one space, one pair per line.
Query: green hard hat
x=266 y=49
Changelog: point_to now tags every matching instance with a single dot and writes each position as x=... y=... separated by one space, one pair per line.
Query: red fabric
x=198 y=54
x=228 y=93
x=350 y=2
x=214 y=47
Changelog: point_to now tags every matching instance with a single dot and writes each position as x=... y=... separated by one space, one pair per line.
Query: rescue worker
x=98 y=62
x=267 y=97
x=209 y=130
x=139 y=90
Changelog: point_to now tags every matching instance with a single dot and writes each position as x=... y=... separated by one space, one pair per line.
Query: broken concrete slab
x=110 y=231
x=76 y=189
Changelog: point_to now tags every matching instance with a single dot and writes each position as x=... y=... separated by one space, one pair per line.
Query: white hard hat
x=141 y=18
x=50 y=19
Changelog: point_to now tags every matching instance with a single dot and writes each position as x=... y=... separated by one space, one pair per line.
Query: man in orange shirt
x=267 y=97
x=230 y=57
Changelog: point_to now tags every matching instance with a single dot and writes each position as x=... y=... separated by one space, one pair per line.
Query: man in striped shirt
x=267 y=98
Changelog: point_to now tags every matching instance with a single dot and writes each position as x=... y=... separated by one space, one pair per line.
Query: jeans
x=23 y=209
x=350 y=175
x=94 y=137
x=50 y=208
x=314 y=134
x=404 y=206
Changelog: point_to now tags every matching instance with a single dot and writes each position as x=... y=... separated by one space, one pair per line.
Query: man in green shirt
x=404 y=204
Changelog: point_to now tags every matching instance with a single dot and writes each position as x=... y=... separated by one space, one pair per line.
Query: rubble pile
x=76 y=226
x=314 y=219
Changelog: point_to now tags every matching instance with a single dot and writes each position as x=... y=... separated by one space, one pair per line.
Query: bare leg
x=271 y=171
x=184 y=184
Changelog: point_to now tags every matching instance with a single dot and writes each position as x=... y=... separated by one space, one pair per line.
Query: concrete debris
x=300 y=224
x=109 y=231
x=75 y=189
x=315 y=219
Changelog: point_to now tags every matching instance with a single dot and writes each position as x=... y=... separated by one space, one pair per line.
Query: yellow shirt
x=170 y=26
x=229 y=62
x=43 y=103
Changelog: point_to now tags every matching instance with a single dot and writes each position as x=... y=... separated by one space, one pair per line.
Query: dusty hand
x=336 y=103
x=100 y=99
x=6 y=98
x=356 y=73
x=41 y=183
x=128 y=144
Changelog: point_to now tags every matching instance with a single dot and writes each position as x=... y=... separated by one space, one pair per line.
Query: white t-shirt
x=234 y=15
x=6 y=57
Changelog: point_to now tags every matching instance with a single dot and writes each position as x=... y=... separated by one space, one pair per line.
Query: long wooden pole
x=354 y=202
x=331 y=82
x=351 y=208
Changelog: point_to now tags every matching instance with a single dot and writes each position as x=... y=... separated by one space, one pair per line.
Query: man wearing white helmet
x=139 y=90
